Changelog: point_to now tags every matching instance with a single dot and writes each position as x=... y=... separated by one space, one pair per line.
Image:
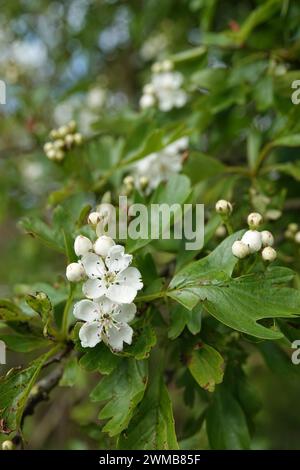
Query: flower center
x=109 y=278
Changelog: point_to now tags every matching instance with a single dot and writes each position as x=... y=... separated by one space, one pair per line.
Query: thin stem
x=65 y=319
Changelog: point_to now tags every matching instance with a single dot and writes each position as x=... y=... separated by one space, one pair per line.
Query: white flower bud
x=292 y=227
x=297 y=237
x=273 y=214
x=54 y=134
x=267 y=238
x=102 y=245
x=221 y=231
x=78 y=139
x=223 y=207
x=289 y=235
x=254 y=220
x=72 y=126
x=239 y=249
x=69 y=140
x=144 y=181
x=252 y=238
x=7 y=445
x=269 y=254
x=48 y=146
x=82 y=245
x=58 y=144
x=51 y=154
x=62 y=131
x=128 y=180
x=75 y=272
x=94 y=218
x=156 y=67
x=147 y=101
x=148 y=89
x=167 y=65
x=59 y=155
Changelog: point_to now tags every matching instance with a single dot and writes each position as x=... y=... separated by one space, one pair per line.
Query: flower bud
x=148 y=89
x=54 y=134
x=167 y=65
x=82 y=245
x=297 y=237
x=273 y=214
x=7 y=445
x=75 y=272
x=269 y=254
x=254 y=220
x=128 y=180
x=147 y=101
x=72 y=126
x=59 y=155
x=94 y=218
x=78 y=139
x=48 y=146
x=58 y=144
x=292 y=227
x=156 y=67
x=221 y=231
x=144 y=181
x=69 y=140
x=223 y=207
x=51 y=154
x=239 y=249
x=62 y=131
x=267 y=238
x=102 y=245
x=252 y=238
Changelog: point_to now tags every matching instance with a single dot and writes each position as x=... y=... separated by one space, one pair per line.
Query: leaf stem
x=150 y=297
x=65 y=318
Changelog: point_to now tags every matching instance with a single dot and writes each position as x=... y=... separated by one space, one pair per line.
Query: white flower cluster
x=165 y=88
x=110 y=286
x=158 y=167
x=64 y=138
x=253 y=240
x=293 y=232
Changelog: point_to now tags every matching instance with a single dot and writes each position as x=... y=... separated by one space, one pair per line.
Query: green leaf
x=24 y=343
x=11 y=312
x=152 y=427
x=206 y=366
x=41 y=304
x=38 y=229
x=238 y=303
x=200 y=167
x=99 y=358
x=70 y=374
x=180 y=317
x=14 y=391
x=143 y=341
x=124 y=388
x=226 y=423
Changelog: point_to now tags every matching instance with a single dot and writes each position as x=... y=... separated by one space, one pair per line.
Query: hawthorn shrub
x=139 y=343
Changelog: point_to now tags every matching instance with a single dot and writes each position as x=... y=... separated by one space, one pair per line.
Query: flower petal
x=125 y=313
x=105 y=305
x=86 y=310
x=130 y=277
x=90 y=334
x=93 y=265
x=117 y=336
x=93 y=288
x=121 y=294
x=116 y=260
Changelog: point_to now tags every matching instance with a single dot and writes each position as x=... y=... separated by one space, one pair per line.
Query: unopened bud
x=102 y=245
x=75 y=272
x=223 y=207
x=82 y=245
x=252 y=238
x=240 y=249
x=7 y=445
x=267 y=238
x=269 y=254
x=94 y=218
x=254 y=220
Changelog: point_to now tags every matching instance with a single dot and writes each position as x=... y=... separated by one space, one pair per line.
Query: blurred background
x=83 y=59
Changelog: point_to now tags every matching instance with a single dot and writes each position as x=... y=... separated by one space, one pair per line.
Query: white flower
x=75 y=272
x=254 y=220
x=165 y=88
x=82 y=245
x=240 y=249
x=158 y=167
x=112 y=278
x=105 y=321
x=267 y=238
x=269 y=254
x=223 y=207
x=102 y=245
x=252 y=238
